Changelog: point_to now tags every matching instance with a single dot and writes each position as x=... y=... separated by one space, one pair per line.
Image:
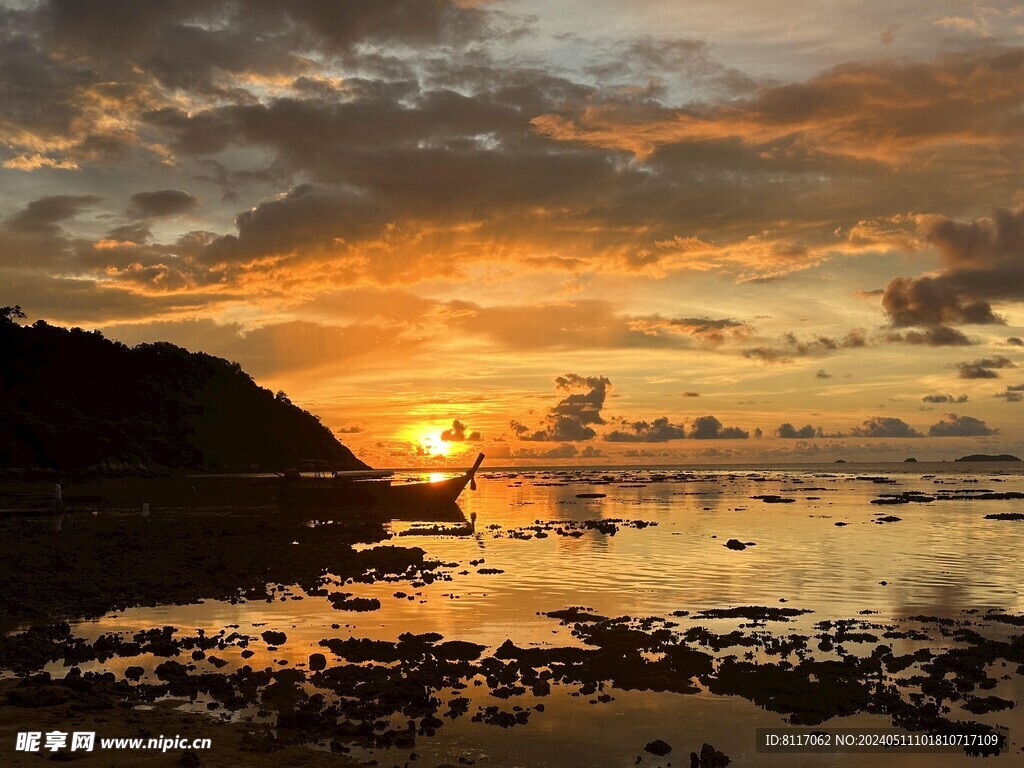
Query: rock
x=658 y=747
x=317 y=661
x=709 y=758
x=270 y=637
x=735 y=544
x=134 y=673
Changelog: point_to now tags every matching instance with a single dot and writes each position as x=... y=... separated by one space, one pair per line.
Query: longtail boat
x=344 y=492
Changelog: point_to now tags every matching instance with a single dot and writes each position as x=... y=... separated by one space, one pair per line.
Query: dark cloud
x=46 y=213
x=940 y=398
x=710 y=428
x=458 y=433
x=935 y=336
x=822 y=374
x=136 y=233
x=164 y=202
x=658 y=431
x=983 y=368
x=1013 y=393
x=570 y=419
x=714 y=331
x=1015 y=341
x=690 y=394
x=885 y=426
x=982 y=260
x=787 y=430
x=952 y=425
x=348 y=429
x=793 y=346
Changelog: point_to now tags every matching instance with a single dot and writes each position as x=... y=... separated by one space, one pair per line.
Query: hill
x=73 y=399
x=988 y=457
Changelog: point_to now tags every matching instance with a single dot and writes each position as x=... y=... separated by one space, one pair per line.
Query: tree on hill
x=73 y=399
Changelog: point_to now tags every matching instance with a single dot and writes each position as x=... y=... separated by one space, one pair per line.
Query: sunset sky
x=570 y=231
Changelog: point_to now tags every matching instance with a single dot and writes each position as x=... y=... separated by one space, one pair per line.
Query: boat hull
x=374 y=495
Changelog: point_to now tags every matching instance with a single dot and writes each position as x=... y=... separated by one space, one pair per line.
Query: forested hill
x=73 y=400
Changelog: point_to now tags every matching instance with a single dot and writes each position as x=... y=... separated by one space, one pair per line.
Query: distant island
x=77 y=401
x=989 y=457
x=910 y=460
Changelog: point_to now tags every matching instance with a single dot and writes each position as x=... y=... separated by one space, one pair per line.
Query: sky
x=569 y=231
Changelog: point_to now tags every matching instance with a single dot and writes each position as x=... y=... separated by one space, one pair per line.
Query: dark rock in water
x=771 y=499
x=980 y=705
x=989 y=457
x=134 y=673
x=840 y=461
x=317 y=661
x=889 y=519
x=1006 y=516
x=270 y=637
x=735 y=544
x=658 y=747
x=590 y=495
x=910 y=460
x=754 y=612
x=709 y=758
x=344 y=601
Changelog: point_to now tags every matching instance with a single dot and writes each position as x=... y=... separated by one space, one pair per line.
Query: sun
x=433 y=445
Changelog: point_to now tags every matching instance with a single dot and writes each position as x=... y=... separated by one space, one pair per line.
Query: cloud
x=983 y=368
x=348 y=429
x=935 y=336
x=952 y=425
x=1013 y=393
x=787 y=430
x=690 y=394
x=854 y=113
x=822 y=374
x=458 y=434
x=276 y=348
x=940 y=398
x=658 y=431
x=570 y=419
x=45 y=213
x=585 y=323
x=885 y=426
x=982 y=263
x=563 y=451
x=710 y=428
x=164 y=202
x=713 y=331
x=793 y=346
x=590 y=452
x=1015 y=341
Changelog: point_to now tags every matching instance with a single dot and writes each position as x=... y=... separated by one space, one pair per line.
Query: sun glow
x=431 y=444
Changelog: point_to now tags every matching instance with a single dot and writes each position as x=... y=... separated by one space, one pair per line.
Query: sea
x=641 y=543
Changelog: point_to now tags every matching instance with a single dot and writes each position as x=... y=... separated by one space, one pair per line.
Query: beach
x=589 y=617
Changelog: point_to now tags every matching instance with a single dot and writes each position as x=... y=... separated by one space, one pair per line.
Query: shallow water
x=939 y=559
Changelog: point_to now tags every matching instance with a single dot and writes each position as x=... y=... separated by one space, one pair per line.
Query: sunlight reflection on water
x=939 y=558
